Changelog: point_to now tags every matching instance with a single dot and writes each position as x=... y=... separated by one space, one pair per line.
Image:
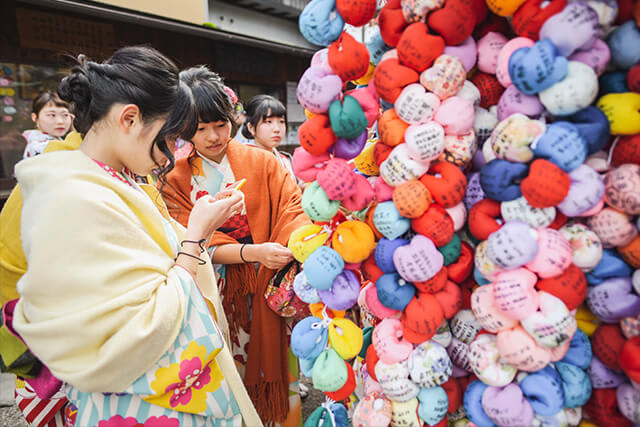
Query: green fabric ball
x=451 y=251
x=347 y=118
x=329 y=371
x=366 y=340
x=317 y=205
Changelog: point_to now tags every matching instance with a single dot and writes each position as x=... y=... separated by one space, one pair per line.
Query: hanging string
x=613 y=147
x=327 y=405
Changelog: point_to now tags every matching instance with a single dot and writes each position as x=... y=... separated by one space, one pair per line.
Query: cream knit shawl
x=100 y=302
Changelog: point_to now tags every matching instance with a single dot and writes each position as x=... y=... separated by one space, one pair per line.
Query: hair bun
x=76 y=89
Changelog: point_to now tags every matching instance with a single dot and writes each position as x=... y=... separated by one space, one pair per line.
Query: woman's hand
x=274 y=256
x=209 y=213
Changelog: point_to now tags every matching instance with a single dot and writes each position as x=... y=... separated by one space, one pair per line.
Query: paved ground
x=315 y=399
x=10 y=416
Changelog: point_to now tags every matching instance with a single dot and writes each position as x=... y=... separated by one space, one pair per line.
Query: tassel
x=234 y=298
x=271 y=401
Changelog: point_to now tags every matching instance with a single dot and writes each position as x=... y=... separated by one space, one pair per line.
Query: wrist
x=194 y=234
x=248 y=253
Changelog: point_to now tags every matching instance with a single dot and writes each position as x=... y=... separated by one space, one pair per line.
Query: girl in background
x=53 y=121
x=266 y=125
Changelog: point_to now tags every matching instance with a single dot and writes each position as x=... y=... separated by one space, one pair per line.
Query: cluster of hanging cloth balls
x=473 y=177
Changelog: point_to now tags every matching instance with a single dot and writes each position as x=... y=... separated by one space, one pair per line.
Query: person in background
x=249 y=248
x=53 y=121
x=241 y=119
x=266 y=127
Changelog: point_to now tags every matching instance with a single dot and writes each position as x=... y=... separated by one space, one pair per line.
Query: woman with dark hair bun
x=118 y=301
x=249 y=248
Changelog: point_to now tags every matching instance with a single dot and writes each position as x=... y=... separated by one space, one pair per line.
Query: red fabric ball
x=348 y=58
x=530 y=16
x=391 y=22
x=482 y=218
x=558 y=221
x=316 y=135
x=450 y=299
x=633 y=78
x=372 y=359
x=436 y=224
x=460 y=270
x=421 y=318
x=417 y=48
x=629 y=358
x=446 y=183
x=345 y=391
x=546 y=185
x=607 y=342
x=356 y=13
x=625 y=11
x=380 y=152
x=390 y=77
x=570 y=286
x=492 y=23
x=602 y=407
x=370 y=269
x=454 y=22
x=627 y=150
x=490 y=89
x=435 y=284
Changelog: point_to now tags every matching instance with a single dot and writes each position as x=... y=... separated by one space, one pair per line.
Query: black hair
x=181 y=123
x=47 y=97
x=212 y=101
x=132 y=75
x=259 y=108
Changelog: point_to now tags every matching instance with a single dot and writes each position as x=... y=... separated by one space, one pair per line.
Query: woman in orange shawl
x=256 y=237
